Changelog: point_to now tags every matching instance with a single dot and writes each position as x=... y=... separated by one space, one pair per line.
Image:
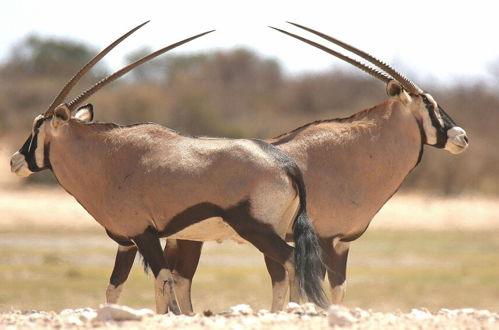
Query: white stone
x=293 y=307
x=74 y=320
x=340 y=316
x=113 y=312
x=241 y=309
x=418 y=314
x=309 y=309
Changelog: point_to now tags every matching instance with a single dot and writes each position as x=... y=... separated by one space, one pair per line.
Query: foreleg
x=122 y=266
x=337 y=266
x=183 y=259
x=150 y=248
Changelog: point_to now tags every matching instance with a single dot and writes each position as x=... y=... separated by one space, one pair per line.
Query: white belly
x=212 y=229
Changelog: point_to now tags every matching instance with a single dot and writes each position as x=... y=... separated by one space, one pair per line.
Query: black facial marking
x=29 y=147
x=441 y=132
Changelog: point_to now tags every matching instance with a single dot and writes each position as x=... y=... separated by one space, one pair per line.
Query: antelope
x=351 y=166
x=142 y=182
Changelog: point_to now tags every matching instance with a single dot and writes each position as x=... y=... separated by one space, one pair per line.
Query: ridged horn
x=372 y=71
x=409 y=85
x=70 y=84
x=89 y=92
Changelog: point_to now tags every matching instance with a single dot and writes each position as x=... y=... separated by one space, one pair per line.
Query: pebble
x=113 y=312
x=241 y=309
x=340 y=316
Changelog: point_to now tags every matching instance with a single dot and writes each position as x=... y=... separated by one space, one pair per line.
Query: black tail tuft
x=144 y=263
x=308 y=260
x=308 y=252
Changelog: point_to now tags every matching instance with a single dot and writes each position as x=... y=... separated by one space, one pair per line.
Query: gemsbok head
x=438 y=128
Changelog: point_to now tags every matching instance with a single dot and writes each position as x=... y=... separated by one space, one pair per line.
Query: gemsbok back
x=351 y=166
x=144 y=181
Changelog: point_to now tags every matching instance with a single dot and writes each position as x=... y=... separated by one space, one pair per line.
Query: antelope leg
x=183 y=258
x=150 y=248
x=122 y=265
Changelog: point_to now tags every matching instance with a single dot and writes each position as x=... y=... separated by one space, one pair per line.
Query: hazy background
x=246 y=80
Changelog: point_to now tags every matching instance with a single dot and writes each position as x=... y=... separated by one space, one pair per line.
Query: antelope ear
x=395 y=89
x=61 y=116
x=85 y=113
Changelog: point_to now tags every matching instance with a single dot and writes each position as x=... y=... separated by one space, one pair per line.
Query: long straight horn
x=377 y=74
x=89 y=92
x=65 y=91
x=409 y=85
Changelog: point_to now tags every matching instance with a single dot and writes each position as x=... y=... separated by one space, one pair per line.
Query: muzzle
x=457 y=141
x=19 y=166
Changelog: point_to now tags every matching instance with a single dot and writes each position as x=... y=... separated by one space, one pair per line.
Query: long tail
x=308 y=253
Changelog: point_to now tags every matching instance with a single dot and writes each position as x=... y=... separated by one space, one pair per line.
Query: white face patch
x=429 y=129
x=436 y=111
x=40 y=147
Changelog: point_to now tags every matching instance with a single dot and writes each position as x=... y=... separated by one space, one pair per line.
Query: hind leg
x=150 y=248
x=279 y=256
x=279 y=278
x=122 y=265
x=183 y=258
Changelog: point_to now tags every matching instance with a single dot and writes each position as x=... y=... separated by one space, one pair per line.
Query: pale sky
x=445 y=41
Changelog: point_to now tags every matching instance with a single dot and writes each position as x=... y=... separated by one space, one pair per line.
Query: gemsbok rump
x=351 y=166
x=144 y=181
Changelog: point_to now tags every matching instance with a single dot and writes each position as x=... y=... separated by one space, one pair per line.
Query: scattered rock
x=293 y=307
x=419 y=314
x=340 y=316
x=241 y=317
x=241 y=309
x=310 y=309
x=113 y=312
x=207 y=313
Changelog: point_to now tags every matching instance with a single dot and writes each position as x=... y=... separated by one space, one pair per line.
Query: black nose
x=466 y=139
x=11 y=162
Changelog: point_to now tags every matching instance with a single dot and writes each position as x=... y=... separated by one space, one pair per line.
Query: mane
x=113 y=126
x=321 y=121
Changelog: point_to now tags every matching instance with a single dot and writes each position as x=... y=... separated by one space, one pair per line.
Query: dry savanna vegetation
x=434 y=245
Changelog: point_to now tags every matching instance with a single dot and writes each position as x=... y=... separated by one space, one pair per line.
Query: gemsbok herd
x=318 y=186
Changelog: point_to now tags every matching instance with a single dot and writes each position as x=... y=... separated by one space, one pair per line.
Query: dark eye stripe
x=29 y=147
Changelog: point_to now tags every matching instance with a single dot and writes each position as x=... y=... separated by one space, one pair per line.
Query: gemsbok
x=351 y=166
x=142 y=182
